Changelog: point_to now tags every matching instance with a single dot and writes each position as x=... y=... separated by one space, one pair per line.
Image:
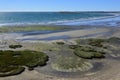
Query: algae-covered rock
x=71 y=64
x=12 y=62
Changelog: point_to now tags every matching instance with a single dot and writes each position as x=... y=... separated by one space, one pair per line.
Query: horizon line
x=64 y=11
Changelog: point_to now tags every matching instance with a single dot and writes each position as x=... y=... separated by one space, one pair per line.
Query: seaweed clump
x=15 y=46
x=14 y=62
x=96 y=42
x=86 y=52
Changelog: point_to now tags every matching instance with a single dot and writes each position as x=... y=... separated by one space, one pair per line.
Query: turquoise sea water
x=24 y=18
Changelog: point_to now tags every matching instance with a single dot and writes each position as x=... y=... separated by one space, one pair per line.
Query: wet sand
x=69 y=34
x=99 y=32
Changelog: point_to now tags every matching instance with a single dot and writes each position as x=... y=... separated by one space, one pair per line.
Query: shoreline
x=81 y=22
x=69 y=34
x=98 y=22
x=92 y=32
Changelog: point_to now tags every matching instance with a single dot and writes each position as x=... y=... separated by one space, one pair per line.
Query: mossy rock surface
x=96 y=42
x=73 y=46
x=15 y=46
x=71 y=64
x=60 y=43
x=114 y=40
x=12 y=62
x=87 y=52
x=92 y=42
x=10 y=71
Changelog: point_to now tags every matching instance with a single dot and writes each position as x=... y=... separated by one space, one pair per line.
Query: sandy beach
x=109 y=71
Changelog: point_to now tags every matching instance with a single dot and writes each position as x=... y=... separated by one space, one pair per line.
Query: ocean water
x=26 y=18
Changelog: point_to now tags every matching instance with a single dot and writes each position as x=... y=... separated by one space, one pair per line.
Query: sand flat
x=71 y=34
